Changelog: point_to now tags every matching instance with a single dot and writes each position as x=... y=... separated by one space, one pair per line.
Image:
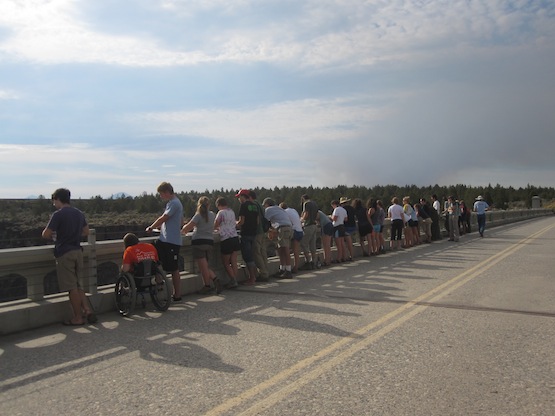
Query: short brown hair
x=165 y=187
x=130 y=239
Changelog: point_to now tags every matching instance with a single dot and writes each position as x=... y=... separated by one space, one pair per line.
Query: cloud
x=312 y=34
x=298 y=124
x=9 y=95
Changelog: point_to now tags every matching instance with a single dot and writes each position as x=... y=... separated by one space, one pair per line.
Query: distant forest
x=22 y=220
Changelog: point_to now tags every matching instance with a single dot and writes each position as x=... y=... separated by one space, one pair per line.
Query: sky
x=111 y=96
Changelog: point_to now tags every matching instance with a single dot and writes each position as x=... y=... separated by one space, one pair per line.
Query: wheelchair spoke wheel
x=161 y=295
x=126 y=294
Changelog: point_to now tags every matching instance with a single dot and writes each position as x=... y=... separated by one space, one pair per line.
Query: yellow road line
x=437 y=293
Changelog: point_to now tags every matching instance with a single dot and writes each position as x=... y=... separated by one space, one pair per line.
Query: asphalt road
x=448 y=328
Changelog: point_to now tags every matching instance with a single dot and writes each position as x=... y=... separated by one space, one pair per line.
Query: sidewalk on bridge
x=23 y=315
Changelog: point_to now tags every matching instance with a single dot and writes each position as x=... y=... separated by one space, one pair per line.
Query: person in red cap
x=248 y=224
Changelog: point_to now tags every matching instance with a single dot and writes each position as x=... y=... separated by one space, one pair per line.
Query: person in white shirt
x=397 y=215
x=297 y=234
x=338 y=217
x=282 y=225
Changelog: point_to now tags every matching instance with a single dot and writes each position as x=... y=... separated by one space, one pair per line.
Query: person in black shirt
x=249 y=216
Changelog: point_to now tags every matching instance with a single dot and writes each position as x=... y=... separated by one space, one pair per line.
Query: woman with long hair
x=202 y=240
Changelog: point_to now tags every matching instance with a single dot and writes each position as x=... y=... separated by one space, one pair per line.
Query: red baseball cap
x=243 y=192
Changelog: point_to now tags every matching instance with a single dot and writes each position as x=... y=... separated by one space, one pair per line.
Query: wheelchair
x=148 y=276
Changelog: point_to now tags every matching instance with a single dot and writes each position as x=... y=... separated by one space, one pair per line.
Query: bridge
x=31 y=273
x=438 y=329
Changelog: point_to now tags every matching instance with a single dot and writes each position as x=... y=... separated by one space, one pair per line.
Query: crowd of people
x=293 y=232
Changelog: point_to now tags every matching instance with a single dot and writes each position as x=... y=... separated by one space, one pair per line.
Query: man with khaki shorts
x=282 y=224
x=67 y=226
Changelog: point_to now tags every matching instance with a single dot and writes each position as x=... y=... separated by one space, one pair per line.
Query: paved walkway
x=440 y=329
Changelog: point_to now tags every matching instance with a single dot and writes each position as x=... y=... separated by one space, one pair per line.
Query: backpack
x=266 y=225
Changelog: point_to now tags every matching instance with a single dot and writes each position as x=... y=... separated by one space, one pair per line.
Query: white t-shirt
x=225 y=219
x=341 y=214
x=295 y=219
x=396 y=212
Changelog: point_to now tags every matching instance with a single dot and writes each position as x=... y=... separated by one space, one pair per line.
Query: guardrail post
x=92 y=278
x=35 y=285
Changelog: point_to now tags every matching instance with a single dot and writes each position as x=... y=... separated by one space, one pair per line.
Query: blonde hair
x=202 y=207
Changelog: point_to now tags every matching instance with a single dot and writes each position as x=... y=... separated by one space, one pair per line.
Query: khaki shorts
x=202 y=251
x=69 y=268
x=285 y=234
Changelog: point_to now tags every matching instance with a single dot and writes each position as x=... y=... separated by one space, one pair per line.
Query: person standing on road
x=249 y=218
x=379 y=230
x=282 y=224
x=309 y=217
x=397 y=215
x=229 y=240
x=67 y=226
x=298 y=233
x=452 y=211
x=364 y=226
x=202 y=242
x=169 y=242
x=259 y=248
x=350 y=227
x=480 y=207
x=338 y=217
x=327 y=232
x=435 y=215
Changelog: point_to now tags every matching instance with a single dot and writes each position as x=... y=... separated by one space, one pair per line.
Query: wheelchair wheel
x=161 y=295
x=126 y=294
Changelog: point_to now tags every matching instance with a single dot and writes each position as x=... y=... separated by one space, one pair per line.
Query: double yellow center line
x=398 y=317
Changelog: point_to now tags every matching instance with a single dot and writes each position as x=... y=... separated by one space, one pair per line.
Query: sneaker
x=278 y=274
x=176 y=299
x=287 y=275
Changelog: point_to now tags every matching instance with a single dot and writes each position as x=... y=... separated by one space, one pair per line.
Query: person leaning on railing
x=66 y=227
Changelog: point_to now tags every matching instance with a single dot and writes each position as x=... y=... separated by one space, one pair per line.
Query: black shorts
x=328 y=229
x=230 y=245
x=339 y=231
x=365 y=229
x=168 y=254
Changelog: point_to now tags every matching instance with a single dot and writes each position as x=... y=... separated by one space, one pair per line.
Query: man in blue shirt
x=67 y=226
x=480 y=207
x=169 y=243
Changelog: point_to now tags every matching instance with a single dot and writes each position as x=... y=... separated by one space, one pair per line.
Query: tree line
x=22 y=219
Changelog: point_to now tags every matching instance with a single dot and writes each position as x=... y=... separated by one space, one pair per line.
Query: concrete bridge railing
x=31 y=271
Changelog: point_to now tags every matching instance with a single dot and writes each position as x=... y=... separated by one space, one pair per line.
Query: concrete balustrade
x=34 y=265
